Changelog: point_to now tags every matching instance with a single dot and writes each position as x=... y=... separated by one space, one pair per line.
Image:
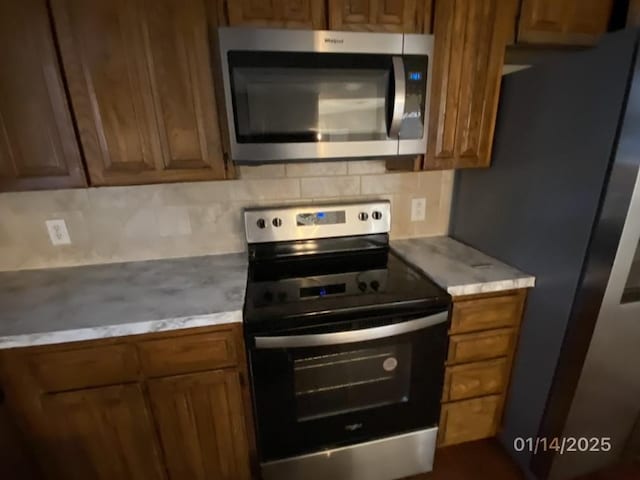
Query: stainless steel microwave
x=296 y=95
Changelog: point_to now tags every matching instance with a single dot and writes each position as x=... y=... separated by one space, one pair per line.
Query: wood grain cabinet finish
x=190 y=353
x=568 y=22
x=140 y=81
x=38 y=146
x=469 y=420
x=470 y=40
x=486 y=313
x=56 y=371
x=471 y=347
x=201 y=425
x=408 y=16
x=479 y=364
x=103 y=434
x=301 y=14
x=474 y=380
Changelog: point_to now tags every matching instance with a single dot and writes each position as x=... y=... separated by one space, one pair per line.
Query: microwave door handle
x=398 y=96
x=351 y=336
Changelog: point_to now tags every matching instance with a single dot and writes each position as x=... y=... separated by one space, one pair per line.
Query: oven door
x=285 y=102
x=322 y=389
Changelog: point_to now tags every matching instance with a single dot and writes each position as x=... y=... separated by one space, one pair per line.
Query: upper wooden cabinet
x=380 y=15
x=470 y=38
x=569 y=22
x=303 y=14
x=38 y=146
x=140 y=81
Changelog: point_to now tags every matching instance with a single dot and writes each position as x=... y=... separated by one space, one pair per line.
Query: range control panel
x=281 y=224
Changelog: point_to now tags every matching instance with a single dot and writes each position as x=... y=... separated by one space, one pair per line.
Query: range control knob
x=376 y=215
x=282 y=296
x=363 y=216
x=362 y=286
x=375 y=285
x=277 y=222
x=261 y=223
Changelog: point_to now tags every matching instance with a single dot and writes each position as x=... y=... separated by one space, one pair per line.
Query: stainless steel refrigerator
x=562 y=201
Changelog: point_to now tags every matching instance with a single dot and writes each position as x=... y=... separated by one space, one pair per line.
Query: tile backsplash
x=115 y=224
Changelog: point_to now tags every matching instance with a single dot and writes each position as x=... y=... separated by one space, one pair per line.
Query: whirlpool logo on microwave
x=335 y=41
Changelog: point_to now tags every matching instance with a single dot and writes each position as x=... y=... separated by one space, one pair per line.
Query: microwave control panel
x=416 y=68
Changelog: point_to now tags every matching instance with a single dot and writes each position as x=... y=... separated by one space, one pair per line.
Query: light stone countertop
x=42 y=307
x=39 y=307
x=458 y=268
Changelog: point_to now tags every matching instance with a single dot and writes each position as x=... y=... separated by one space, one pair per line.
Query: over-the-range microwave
x=296 y=95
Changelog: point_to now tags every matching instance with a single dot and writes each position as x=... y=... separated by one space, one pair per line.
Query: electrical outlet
x=58 y=233
x=418 y=209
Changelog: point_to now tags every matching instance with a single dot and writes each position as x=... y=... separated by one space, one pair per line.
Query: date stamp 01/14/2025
x=562 y=445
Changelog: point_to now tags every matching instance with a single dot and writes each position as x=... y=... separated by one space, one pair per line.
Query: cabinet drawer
x=485 y=313
x=480 y=346
x=474 y=379
x=57 y=371
x=469 y=420
x=188 y=354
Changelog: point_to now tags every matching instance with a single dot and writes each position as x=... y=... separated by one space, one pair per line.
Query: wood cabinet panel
x=103 y=434
x=470 y=39
x=486 y=313
x=189 y=353
x=469 y=420
x=470 y=347
x=570 y=22
x=303 y=14
x=474 y=379
x=201 y=425
x=59 y=370
x=140 y=83
x=379 y=15
x=38 y=146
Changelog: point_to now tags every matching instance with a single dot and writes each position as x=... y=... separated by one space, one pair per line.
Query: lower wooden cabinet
x=482 y=340
x=102 y=433
x=469 y=420
x=201 y=425
x=143 y=424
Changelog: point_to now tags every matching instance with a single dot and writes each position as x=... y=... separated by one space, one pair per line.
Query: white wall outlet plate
x=418 y=209
x=58 y=233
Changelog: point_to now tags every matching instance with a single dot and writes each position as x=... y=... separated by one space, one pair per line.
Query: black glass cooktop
x=325 y=284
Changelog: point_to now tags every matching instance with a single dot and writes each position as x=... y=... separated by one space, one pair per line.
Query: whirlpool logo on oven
x=335 y=41
x=352 y=427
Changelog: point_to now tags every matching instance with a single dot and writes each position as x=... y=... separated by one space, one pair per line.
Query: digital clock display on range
x=321 y=218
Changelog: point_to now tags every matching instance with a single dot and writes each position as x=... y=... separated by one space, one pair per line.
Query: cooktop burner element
x=346 y=342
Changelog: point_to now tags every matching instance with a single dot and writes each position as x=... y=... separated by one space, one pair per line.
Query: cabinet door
x=379 y=15
x=201 y=425
x=103 y=434
x=140 y=82
x=38 y=146
x=304 y=14
x=470 y=37
x=571 y=22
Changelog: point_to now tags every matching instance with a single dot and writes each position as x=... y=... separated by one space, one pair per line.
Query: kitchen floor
x=481 y=460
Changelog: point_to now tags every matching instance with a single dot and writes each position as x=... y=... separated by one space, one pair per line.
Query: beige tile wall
x=115 y=224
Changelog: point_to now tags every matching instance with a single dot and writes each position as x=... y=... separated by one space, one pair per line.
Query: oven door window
x=357 y=379
x=311 y=398
x=309 y=97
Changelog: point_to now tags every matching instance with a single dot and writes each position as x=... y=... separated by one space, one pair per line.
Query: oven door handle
x=351 y=336
x=398 y=96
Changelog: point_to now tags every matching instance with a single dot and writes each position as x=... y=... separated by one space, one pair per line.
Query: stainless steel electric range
x=346 y=345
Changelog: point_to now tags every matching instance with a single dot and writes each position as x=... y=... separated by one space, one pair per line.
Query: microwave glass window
x=338 y=383
x=309 y=97
x=631 y=291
